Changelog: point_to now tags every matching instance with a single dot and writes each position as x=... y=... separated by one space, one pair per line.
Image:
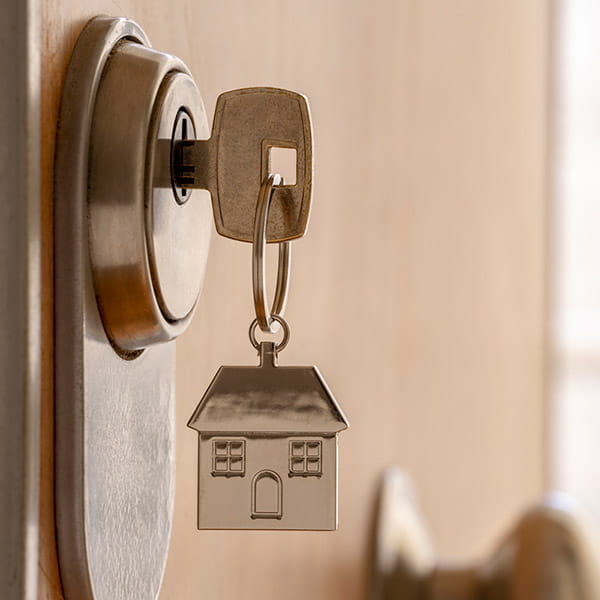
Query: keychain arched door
x=266 y=495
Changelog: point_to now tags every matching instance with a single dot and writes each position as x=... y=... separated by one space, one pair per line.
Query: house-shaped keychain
x=267 y=448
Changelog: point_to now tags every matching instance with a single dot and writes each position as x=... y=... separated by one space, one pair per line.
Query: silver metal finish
x=278 y=347
x=148 y=251
x=264 y=316
x=267 y=448
x=20 y=298
x=115 y=411
x=178 y=236
x=183 y=130
x=234 y=162
x=546 y=556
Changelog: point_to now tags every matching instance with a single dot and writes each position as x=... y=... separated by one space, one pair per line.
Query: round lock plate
x=148 y=250
x=115 y=418
x=178 y=226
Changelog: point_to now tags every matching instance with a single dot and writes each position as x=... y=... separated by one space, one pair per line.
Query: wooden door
x=419 y=290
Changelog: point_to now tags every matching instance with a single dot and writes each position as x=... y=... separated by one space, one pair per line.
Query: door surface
x=419 y=290
x=20 y=306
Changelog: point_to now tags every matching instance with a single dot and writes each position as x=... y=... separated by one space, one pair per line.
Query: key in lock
x=249 y=125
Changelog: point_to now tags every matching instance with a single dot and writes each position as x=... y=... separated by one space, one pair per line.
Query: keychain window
x=305 y=457
x=229 y=457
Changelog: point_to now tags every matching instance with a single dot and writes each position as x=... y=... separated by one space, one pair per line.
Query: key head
x=248 y=123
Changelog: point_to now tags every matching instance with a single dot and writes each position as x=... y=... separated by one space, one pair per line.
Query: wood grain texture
x=419 y=290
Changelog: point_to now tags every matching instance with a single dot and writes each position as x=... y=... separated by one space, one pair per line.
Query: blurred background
x=573 y=447
x=447 y=288
x=420 y=289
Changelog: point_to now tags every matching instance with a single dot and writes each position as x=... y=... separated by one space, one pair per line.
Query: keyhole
x=181 y=172
x=184 y=136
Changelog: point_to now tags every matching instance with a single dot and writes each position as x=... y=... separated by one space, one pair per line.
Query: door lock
x=149 y=148
x=138 y=176
x=148 y=252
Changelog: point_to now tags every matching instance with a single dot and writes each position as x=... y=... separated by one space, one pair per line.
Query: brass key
x=233 y=163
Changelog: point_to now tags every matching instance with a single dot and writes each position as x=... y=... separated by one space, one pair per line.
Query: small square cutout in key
x=284 y=161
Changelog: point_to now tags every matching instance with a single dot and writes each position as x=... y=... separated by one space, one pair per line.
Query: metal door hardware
x=134 y=177
x=546 y=556
x=148 y=234
x=148 y=252
x=116 y=240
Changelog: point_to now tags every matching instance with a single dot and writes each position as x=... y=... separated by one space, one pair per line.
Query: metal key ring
x=265 y=317
x=286 y=333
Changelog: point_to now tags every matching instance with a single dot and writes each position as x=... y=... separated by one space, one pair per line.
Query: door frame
x=20 y=303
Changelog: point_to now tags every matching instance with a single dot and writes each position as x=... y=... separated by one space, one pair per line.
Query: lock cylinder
x=148 y=244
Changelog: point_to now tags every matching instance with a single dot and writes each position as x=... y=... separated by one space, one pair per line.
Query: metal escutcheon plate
x=115 y=434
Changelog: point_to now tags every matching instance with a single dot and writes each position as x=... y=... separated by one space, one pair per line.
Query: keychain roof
x=268 y=398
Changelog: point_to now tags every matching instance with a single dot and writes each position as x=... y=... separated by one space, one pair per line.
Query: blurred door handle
x=546 y=556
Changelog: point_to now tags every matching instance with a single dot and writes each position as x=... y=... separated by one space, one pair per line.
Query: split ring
x=266 y=318
x=286 y=333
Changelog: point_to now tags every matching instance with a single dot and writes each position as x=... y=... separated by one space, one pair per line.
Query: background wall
x=575 y=411
x=419 y=290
